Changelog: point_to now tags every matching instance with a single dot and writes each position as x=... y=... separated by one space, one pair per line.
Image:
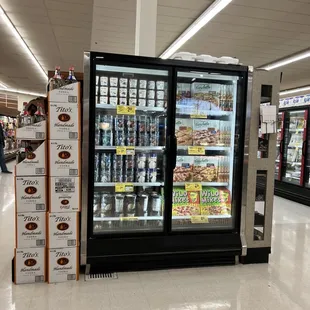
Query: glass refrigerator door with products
x=294 y=146
x=129 y=156
x=207 y=146
x=279 y=146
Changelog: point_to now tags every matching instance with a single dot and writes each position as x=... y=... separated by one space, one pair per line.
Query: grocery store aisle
x=283 y=284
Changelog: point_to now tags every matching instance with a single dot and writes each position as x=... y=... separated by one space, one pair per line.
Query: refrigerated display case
x=292 y=178
x=162 y=161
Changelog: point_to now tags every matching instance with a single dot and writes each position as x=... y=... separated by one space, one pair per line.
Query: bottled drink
x=71 y=78
x=56 y=81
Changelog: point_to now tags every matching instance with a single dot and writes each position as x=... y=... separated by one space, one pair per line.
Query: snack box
x=30 y=230
x=183 y=171
x=184 y=131
x=215 y=201
x=64 y=157
x=36 y=131
x=66 y=94
x=35 y=162
x=225 y=133
x=208 y=94
x=64 y=194
x=206 y=132
x=185 y=203
x=64 y=121
x=29 y=265
x=63 y=229
x=205 y=169
x=30 y=194
x=63 y=265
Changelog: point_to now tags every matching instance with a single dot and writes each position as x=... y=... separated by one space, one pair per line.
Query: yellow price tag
x=196 y=150
x=124 y=187
x=193 y=187
x=127 y=219
x=126 y=110
x=198 y=219
x=121 y=150
x=125 y=150
x=200 y=115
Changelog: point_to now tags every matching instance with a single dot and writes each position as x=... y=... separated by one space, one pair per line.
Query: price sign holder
x=196 y=150
x=126 y=110
x=124 y=188
x=125 y=150
x=199 y=219
x=193 y=187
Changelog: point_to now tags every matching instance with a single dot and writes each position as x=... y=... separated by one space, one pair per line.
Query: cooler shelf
x=146 y=184
x=202 y=183
x=136 y=148
x=138 y=108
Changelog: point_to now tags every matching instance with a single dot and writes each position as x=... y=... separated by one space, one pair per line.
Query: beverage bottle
x=71 y=78
x=56 y=80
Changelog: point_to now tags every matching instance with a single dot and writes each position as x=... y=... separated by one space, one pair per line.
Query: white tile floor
x=284 y=284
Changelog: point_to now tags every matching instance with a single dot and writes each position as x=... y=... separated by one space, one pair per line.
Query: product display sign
x=196 y=150
x=124 y=187
x=125 y=150
x=126 y=110
x=193 y=187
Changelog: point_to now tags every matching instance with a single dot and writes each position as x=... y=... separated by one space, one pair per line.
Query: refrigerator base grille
x=100 y=276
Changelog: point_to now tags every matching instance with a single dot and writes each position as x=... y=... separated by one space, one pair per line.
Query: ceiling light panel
x=21 y=41
x=215 y=8
x=294 y=90
x=24 y=92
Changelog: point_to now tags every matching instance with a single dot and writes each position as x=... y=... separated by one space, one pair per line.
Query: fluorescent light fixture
x=294 y=90
x=21 y=41
x=3 y=85
x=216 y=7
x=24 y=92
x=287 y=60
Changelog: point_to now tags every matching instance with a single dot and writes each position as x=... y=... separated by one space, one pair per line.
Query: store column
x=146 y=20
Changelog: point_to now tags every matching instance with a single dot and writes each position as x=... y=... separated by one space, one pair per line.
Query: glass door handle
x=304 y=148
x=172 y=147
x=281 y=147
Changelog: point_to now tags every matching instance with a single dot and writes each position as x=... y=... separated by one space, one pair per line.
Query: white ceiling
x=58 y=31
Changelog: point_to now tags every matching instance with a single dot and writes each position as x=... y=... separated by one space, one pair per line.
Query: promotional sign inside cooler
x=66 y=94
x=64 y=121
x=30 y=194
x=29 y=265
x=64 y=193
x=31 y=160
x=64 y=158
x=63 y=265
x=36 y=131
x=63 y=229
x=30 y=230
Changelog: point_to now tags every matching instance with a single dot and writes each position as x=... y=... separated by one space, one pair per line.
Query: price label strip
x=196 y=150
x=193 y=187
x=124 y=188
x=125 y=150
x=200 y=115
x=126 y=110
x=199 y=219
x=129 y=219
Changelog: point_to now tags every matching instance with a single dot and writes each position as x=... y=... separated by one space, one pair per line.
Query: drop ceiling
x=58 y=31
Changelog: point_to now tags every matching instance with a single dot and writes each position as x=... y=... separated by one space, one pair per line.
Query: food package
x=185 y=203
x=225 y=133
x=206 y=132
x=207 y=93
x=184 y=131
x=183 y=91
x=205 y=169
x=183 y=171
x=215 y=201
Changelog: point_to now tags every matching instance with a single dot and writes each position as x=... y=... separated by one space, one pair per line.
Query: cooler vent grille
x=100 y=276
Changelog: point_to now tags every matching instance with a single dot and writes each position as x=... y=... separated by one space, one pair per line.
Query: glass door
x=207 y=148
x=129 y=149
x=294 y=147
x=279 y=146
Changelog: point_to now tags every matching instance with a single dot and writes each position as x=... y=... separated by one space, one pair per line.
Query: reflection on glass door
x=294 y=147
x=205 y=132
x=279 y=146
x=130 y=139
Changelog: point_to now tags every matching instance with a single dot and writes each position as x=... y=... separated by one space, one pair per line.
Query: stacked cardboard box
x=64 y=183
x=30 y=204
